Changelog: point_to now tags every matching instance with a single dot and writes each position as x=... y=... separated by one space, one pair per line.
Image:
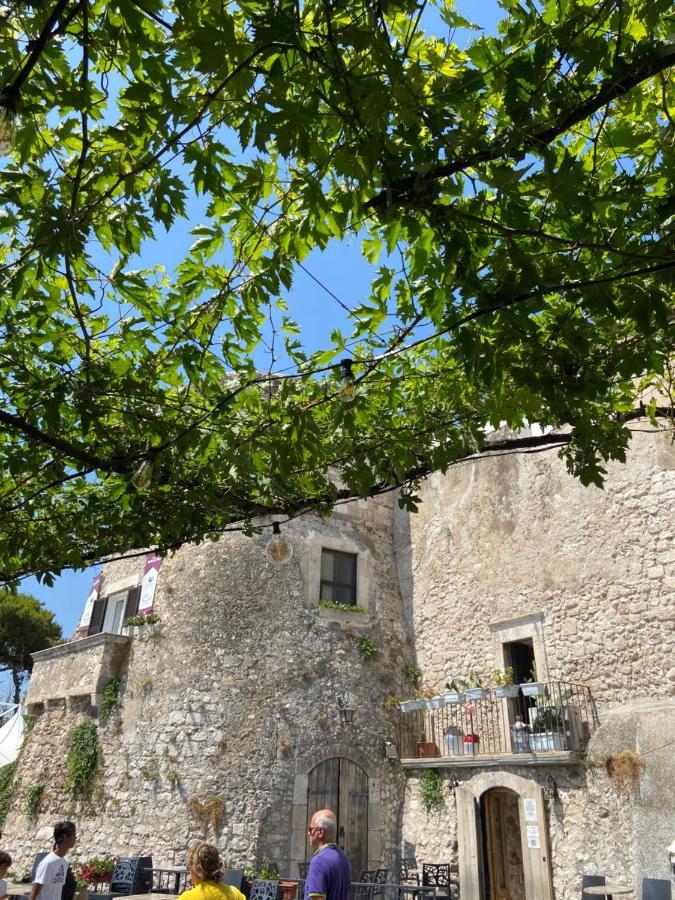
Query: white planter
x=533 y=688
x=507 y=690
x=453 y=697
x=435 y=703
x=547 y=742
x=475 y=693
x=411 y=705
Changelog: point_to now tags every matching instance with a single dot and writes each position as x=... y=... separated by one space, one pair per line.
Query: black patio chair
x=409 y=872
x=233 y=877
x=303 y=869
x=264 y=889
x=590 y=881
x=437 y=875
x=656 y=889
x=131 y=875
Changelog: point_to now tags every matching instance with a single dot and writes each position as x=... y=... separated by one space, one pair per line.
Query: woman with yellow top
x=206 y=869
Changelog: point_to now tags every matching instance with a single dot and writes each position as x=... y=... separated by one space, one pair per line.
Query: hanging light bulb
x=142 y=477
x=278 y=550
x=7 y=120
x=347 y=386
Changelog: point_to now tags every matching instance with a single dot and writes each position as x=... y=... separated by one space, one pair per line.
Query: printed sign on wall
x=149 y=583
x=85 y=621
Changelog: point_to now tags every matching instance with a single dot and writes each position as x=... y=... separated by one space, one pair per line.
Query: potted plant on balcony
x=532 y=687
x=546 y=731
x=476 y=688
x=471 y=739
x=426 y=748
x=455 y=692
x=502 y=680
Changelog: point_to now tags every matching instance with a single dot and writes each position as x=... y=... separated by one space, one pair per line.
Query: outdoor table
x=145 y=897
x=608 y=890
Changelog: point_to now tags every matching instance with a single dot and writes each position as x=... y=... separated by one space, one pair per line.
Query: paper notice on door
x=533 y=836
x=530 y=810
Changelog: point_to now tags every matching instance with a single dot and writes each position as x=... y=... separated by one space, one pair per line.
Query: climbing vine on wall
x=84 y=756
x=7 y=789
x=33 y=800
x=111 y=701
x=431 y=790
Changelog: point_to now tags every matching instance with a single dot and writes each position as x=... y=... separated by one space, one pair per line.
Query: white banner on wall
x=149 y=583
x=85 y=621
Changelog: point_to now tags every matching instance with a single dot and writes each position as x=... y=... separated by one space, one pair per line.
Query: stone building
x=249 y=705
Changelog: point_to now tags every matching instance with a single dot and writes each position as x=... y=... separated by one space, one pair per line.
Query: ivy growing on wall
x=431 y=790
x=7 y=789
x=366 y=647
x=111 y=700
x=33 y=799
x=84 y=756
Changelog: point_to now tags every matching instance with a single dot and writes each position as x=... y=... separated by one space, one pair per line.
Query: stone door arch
x=360 y=779
x=534 y=835
x=341 y=784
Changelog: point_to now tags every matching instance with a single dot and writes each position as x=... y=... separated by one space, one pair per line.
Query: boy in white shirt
x=50 y=875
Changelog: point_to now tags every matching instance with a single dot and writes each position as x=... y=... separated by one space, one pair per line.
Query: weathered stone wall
x=514 y=544
x=229 y=694
x=511 y=536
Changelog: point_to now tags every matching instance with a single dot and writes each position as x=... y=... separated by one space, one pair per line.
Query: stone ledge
x=79 y=670
x=80 y=645
x=564 y=758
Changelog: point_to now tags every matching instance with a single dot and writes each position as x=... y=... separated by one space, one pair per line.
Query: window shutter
x=132 y=602
x=97 y=616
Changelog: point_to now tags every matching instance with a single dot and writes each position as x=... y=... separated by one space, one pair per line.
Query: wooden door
x=342 y=785
x=506 y=876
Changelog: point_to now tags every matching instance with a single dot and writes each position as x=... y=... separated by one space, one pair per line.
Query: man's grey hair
x=329 y=825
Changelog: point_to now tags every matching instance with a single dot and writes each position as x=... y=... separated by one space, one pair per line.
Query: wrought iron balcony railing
x=560 y=717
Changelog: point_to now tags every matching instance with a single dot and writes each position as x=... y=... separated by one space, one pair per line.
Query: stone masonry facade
x=235 y=694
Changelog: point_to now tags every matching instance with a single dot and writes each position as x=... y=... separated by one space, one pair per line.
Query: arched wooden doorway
x=473 y=829
x=342 y=785
x=504 y=874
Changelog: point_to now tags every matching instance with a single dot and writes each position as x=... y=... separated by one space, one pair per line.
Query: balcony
x=550 y=727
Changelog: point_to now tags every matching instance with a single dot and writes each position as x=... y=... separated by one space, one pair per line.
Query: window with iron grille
x=338 y=577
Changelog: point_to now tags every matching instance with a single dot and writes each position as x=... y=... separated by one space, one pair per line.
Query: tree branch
x=70 y=450
x=502 y=147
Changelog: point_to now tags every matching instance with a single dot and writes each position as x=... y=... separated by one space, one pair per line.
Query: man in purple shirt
x=329 y=876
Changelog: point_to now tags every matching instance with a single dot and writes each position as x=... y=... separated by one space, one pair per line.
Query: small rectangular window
x=338 y=577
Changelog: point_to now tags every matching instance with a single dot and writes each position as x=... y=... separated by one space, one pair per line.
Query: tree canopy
x=25 y=627
x=514 y=196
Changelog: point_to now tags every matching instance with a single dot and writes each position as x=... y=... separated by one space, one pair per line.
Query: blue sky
x=339 y=271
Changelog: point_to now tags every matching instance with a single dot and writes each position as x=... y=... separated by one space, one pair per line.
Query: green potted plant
x=476 y=688
x=471 y=739
x=548 y=730
x=426 y=748
x=455 y=692
x=532 y=687
x=502 y=681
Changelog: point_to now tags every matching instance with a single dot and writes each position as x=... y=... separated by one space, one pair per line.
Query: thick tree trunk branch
x=400 y=190
x=70 y=450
